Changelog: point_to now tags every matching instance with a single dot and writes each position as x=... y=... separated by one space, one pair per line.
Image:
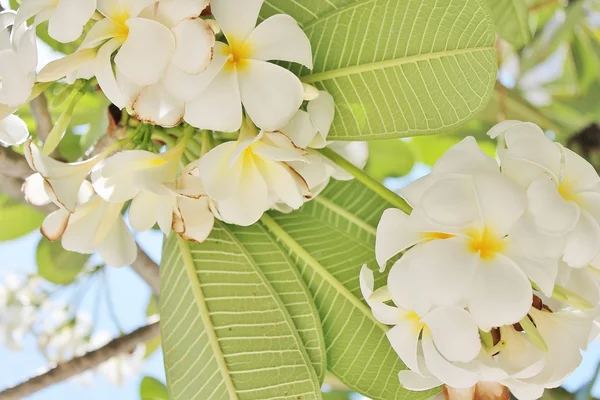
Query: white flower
x=248 y=176
x=428 y=340
x=61 y=181
x=13 y=131
x=118 y=369
x=240 y=74
x=563 y=189
x=18 y=61
x=63 y=337
x=66 y=17
x=18 y=300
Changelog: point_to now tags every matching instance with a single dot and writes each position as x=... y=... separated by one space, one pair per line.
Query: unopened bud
x=310 y=92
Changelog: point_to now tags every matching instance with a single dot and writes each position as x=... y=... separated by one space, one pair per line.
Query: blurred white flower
x=118 y=370
x=13 y=131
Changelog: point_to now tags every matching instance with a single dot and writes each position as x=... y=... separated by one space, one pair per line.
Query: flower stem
x=368 y=181
x=533 y=334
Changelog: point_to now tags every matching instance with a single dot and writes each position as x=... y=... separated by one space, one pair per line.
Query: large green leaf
x=511 y=18
x=152 y=389
x=56 y=264
x=397 y=68
x=389 y=158
x=17 y=219
x=237 y=321
x=331 y=238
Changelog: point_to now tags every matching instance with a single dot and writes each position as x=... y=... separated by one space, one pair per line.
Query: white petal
x=29 y=9
x=501 y=128
x=55 y=224
x=16 y=86
x=13 y=131
x=500 y=293
x=501 y=201
x=188 y=87
x=118 y=248
x=142 y=212
x=195 y=219
x=542 y=271
x=26 y=48
x=465 y=157
x=444 y=370
x=355 y=152
x=394 y=235
x=532 y=241
x=219 y=179
x=523 y=391
x=527 y=142
x=104 y=73
x=385 y=314
x=62 y=67
x=236 y=18
x=195 y=40
x=218 y=107
x=101 y=31
x=417 y=382
x=583 y=242
x=281 y=182
x=173 y=12
x=146 y=52
x=300 y=129
x=322 y=112
x=550 y=211
x=454 y=333
x=69 y=18
x=578 y=173
x=164 y=212
x=451 y=202
x=35 y=192
x=157 y=106
x=280 y=38
x=404 y=338
x=270 y=94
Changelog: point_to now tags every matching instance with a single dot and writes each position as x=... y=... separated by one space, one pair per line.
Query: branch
x=12 y=187
x=76 y=366
x=13 y=164
x=41 y=114
x=147 y=270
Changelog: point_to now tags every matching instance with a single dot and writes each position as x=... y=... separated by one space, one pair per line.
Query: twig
x=13 y=164
x=41 y=114
x=147 y=270
x=76 y=366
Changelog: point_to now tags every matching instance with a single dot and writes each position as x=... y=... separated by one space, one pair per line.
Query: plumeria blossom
x=66 y=18
x=240 y=73
x=18 y=301
x=63 y=337
x=13 y=131
x=248 y=176
x=425 y=338
x=18 y=62
x=563 y=189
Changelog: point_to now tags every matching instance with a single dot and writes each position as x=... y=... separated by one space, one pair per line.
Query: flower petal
x=270 y=94
x=463 y=158
x=143 y=64
x=34 y=190
x=172 y=12
x=157 y=106
x=142 y=212
x=300 y=129
x=533 y=242
x=578 y=172
x=281 y=182
x=550 y=211
x=194 y=220
x=195 y=40
x=280 y=38
x=583 y=242
x=219 y=179
x=13 y=131
x=118 y=248
x=355 y=152
x=404 y=338
x=100 y=32
x=62 y=67
x=385 y=314
x=69 y=18
x=394 y=235
x=29 y=9
x=322 y=112
x=237 y=19
x=499 y=294
x=451 y=202
x=527 y=142
x=443 y=369
x=454 y=333
x=104 y=73
x=417 y=382
x=542 y=271
x=55 y=224
x=16 y=86
x=218 y=107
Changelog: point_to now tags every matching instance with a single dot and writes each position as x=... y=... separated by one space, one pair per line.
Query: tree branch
x=13 y=164
x=12 y=187
x=64 y=371
x=41 y=114
x=147 y=270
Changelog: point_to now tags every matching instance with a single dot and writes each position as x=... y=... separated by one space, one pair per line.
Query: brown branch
x=43 y=120
x=147 y=270
x=76 y=366
x=13 y=164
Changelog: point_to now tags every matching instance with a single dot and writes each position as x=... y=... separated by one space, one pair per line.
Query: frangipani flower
x=62 y=181
x=240 y=74
x=562 y=188
x=66 y=17
x=13 y=131
x=248 y=176
x=425 y=338
x=18 y=61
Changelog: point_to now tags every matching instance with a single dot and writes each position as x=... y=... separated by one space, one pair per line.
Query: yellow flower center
x=429 y=236
x=120 y=19
x=413 y=317
x=238 y=53
x=485 y=242
x=566 y=191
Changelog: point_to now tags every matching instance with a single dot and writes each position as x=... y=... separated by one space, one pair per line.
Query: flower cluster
x=497 y=281
x=166 y=63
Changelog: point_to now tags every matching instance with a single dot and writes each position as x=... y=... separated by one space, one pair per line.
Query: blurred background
x=549 y=73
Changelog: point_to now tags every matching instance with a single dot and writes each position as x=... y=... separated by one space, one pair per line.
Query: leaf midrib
x=369 y=67
x=299 y=251
x=190 y=268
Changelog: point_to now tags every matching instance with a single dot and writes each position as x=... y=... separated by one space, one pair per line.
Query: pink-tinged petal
x=499 y=294
x=454 y=333
x=69 y=18
x=237 y=19
x=271 y=94
x=394 y=234
x=218 y=107
x=55 y=224
x=583 y=242
x=219 y=179
x=551 y=212
x=143 y=64
x=195 y=40
x=280 y=38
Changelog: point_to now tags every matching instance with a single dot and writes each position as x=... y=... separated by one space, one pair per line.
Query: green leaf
x=58 y=265
x=397 y=68
x=17 y=219
x=389 y=158
x=511 y=19
x=152 y=389
x=331 y=238
x=236 y=319
x=337 y=395
x=585 y=59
